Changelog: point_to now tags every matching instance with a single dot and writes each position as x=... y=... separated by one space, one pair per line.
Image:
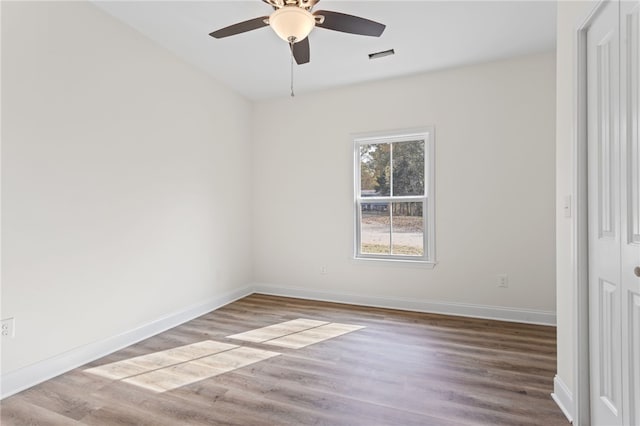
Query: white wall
x=570 y=16
x=125 y=181
x=494 y=134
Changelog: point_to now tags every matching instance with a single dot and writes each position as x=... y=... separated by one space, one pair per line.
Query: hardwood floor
x=400 y=369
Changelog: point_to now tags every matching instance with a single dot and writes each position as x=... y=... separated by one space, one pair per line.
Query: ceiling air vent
x=382 y=54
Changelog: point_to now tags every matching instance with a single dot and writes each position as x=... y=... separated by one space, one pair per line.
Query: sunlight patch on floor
x=296 y=333
x=313 y=335
x=176 y=367
x=157 y=360
x=202 y=368
x=170 y=369
x=274 y=331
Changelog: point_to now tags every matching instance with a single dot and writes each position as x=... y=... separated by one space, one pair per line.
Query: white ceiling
x=426 y=36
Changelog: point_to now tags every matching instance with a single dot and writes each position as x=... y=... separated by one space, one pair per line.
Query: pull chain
x=291 y=41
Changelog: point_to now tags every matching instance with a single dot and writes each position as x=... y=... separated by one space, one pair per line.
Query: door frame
x=580 y=252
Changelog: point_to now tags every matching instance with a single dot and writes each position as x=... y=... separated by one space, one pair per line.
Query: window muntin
x=394 y=213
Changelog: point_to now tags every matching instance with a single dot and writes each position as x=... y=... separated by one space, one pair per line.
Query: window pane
x=408 y=168
x=375 y=169
x=408 y=229
x=375 y=228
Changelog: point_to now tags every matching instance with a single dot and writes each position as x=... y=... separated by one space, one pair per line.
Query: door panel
x=609 y=311
x=605 y=52
x=605 y=293
x=631 y=97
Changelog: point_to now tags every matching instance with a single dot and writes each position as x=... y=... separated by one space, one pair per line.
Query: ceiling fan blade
x=349 y=24
x=241 y=27
x=301 y=51
x=270 y=3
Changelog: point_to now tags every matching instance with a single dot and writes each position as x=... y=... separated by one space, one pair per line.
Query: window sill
x=422 y=264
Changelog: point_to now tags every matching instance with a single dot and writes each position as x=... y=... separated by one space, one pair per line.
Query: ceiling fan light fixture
x=292 y=23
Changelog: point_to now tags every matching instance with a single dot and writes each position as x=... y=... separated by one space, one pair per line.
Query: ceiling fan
x=292 y=21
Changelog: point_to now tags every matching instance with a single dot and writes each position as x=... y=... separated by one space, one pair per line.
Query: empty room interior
x=292 y=212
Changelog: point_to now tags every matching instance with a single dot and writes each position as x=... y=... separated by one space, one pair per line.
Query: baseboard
x=21 y=379
x=563 y=397
x=460 y=309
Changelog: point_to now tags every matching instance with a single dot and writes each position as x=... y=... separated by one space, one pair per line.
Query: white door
x=630 y=208
x=614 y=216
x=603 y=101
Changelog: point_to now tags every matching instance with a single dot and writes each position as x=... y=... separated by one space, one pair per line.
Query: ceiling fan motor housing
x=305 y=4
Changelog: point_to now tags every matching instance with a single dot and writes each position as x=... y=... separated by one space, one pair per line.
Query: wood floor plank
x=20 y=412
x=400 y=368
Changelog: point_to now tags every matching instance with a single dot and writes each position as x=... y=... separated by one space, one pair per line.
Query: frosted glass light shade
x=292 y=21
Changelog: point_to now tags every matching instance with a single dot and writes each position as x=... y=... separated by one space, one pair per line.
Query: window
x=394 y=206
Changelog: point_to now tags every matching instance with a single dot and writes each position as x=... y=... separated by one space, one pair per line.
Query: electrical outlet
x=503 y=280
x=8 y=327
x=323 y=270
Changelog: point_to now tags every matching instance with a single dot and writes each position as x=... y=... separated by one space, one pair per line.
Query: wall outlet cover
x=503 y=280
x=8 y=327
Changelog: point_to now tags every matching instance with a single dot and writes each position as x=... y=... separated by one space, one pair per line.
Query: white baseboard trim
x=428 y=306
x=563 y=397
x=24 y=378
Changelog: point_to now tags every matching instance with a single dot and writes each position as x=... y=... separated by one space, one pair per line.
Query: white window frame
x=427 y=135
